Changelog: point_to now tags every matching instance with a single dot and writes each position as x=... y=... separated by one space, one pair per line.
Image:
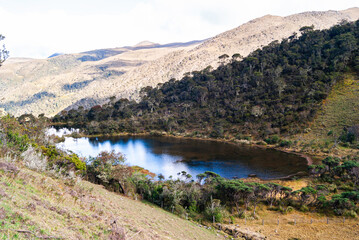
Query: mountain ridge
x=123 y=75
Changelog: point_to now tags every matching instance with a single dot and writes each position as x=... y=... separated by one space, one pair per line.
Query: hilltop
x=93 y=77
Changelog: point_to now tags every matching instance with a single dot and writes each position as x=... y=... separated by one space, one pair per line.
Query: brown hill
x=50 y=85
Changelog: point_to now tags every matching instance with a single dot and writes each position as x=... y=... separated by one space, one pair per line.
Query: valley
x=250 y=134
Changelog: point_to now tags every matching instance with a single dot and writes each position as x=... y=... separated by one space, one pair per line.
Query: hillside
x=34 y=205
x=53 y=84
x=339 y=110
x=276 y=90
x=59 y=82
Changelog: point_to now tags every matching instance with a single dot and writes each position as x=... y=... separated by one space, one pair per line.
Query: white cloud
x=40 y=33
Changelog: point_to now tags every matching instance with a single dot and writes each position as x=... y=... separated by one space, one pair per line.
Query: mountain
x=90 y=78
x=54 y=83
x=274 y=90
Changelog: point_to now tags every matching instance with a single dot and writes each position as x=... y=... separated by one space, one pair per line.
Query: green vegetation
x=24 y=138
x=274 y=91
x=333 y=190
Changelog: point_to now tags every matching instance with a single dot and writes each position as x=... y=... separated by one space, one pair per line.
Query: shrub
x=232 y=219
x=273 y=139
x=218 y=213
x=79 y=164
x=21 y=142
x=289 y=209
x=350 y=213
x=285 y=143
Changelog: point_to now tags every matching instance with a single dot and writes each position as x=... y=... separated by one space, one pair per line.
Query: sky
x=39 y=28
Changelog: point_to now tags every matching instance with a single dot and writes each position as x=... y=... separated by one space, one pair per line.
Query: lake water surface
x=168 y=156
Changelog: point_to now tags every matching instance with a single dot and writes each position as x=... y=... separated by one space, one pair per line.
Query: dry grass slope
x=33 y=205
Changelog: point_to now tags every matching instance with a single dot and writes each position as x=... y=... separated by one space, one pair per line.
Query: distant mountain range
x=89 y=78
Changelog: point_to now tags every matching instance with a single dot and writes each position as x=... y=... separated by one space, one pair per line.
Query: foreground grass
x=35 y=206
x=294 y=224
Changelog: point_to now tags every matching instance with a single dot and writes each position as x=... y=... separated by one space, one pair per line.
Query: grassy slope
x=341 y=109
x=48 y=207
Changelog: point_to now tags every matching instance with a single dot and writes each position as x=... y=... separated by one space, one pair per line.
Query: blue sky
x=39 y=28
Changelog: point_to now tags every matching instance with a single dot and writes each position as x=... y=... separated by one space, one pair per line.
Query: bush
x=304 y=208
x=272 y=140
x=350 y=213
x=21 y=142
x=289 y=209
x=285 y=143
x=218 y=213
x=232 y=219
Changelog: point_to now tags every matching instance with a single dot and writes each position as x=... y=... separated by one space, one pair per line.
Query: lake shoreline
x=308 y=159
x=235 y=142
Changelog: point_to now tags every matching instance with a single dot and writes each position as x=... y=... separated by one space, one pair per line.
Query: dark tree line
x=275 y=90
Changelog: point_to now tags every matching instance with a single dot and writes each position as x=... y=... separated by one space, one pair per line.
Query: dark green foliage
x=285 y=143
x=21 y=142
x=60 y=159
x=272 y=140
x=276 y=90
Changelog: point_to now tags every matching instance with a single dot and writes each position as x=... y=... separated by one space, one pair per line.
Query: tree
x=235 y=191
x=236 y=57
x=4 y=54
x=259 y=193
x=107 y=168
x=306 y=29
x=223 y=58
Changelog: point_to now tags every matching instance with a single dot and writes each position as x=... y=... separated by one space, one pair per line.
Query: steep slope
x=33 y=204
x=340 y=110
x=122 y=76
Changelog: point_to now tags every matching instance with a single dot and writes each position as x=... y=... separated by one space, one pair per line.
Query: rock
x=2 y=112
x=242 y=233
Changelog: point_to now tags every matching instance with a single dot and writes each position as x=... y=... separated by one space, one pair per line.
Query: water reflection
x=171 y=155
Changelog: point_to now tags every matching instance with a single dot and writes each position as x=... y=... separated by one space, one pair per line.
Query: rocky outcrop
x=241 y=233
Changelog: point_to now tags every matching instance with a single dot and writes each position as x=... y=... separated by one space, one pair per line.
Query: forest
x=275 y=90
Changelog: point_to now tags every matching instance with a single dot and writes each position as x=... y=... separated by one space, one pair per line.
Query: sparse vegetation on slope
x=340 y=110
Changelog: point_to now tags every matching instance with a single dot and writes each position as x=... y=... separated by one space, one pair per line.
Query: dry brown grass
x=303 y=228
x=50 y=207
